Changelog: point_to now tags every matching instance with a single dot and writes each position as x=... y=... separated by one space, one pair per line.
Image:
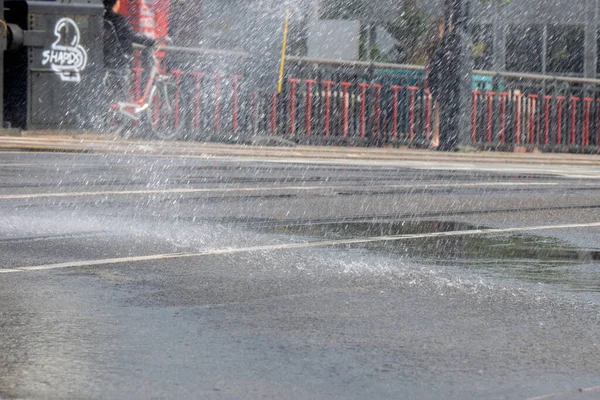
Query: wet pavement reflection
x=252 y=315
x=532 y=259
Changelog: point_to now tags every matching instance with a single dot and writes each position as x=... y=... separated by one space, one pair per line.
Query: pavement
x=106 y=143
x=133 y=269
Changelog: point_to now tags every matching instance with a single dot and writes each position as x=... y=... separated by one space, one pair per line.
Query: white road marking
x=291 y=246
x=266 y=189
x=20 y=165
x=553 y=395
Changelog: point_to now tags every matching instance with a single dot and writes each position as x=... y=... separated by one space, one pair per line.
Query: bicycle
x=158 y=109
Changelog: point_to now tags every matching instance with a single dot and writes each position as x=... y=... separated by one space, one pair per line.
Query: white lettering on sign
x=66 y=56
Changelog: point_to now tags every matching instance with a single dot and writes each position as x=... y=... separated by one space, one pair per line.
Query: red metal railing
x=378 y=114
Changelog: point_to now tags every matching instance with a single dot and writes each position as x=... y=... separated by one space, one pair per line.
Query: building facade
x=538 y=36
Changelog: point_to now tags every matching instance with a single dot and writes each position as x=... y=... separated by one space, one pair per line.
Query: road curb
x=105 y=143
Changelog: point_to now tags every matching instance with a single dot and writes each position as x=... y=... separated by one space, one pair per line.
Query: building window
x=524 y=48
x=483 y=50
x=565 y=49
x=343 y=9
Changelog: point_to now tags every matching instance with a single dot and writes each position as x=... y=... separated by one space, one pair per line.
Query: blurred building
x=233 y=24
x=187 y=22
x=541 y=36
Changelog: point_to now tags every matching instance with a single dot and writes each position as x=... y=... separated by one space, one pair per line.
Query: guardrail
x=410 y=67
x=379 y=104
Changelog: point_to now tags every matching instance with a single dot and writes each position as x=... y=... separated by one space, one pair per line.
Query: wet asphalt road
x=132 y=276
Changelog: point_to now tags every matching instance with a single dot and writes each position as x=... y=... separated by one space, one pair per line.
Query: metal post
x=372 y=40
x=459 y=17
x=3 y=38
x=545 y=49
x=498 y=38
x=590 y=46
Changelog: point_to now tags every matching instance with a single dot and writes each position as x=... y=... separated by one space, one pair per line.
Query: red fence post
x=490 y=120
x=411 y=112
x=428 y=115
x=503 y=99
x=363 y=107
x=474 y=116
x=218 y=78
x=598 y=126
x=328 y=85
x=547 y=100
x=574 y=101
x=293 y=82
x=138 y=82
x=559 y=113
x=377 y=124
x=236 y=86
x=309 y=83
x=532 y=111
x=177 y=74
x=519 y=97
x=396 y=90
x=197 y=99
x=346 y=105
x=586 y=122
x=273 y=118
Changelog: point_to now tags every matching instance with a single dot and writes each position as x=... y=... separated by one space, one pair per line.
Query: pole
x=283 y=50
x=545 y=49
x=3 y=38
x=499 y=37
x=459 y=17
x=590 y=43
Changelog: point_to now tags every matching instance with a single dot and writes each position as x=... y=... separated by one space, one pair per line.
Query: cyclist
x=119 y=38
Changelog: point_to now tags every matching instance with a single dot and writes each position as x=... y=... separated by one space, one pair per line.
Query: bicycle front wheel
x=166 y=111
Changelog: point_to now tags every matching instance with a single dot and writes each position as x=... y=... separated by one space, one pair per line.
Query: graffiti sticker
x=66 y=56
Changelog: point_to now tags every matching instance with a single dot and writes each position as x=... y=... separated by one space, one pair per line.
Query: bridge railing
x=378 y=104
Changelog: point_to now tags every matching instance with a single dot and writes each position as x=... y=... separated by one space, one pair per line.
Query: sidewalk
x=77 y=142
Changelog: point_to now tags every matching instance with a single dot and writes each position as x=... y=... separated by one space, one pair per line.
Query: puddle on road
x=534 y=259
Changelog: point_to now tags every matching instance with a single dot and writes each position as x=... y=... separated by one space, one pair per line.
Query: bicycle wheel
x=166 y=111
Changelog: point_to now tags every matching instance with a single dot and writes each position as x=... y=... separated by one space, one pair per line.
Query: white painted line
x=20 y=165
x=8 y=271
x=65 y=165
x=291 y=246
x=563 y=394
x=267 y=189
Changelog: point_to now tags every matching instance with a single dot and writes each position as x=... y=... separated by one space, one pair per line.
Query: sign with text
x=66 y=56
